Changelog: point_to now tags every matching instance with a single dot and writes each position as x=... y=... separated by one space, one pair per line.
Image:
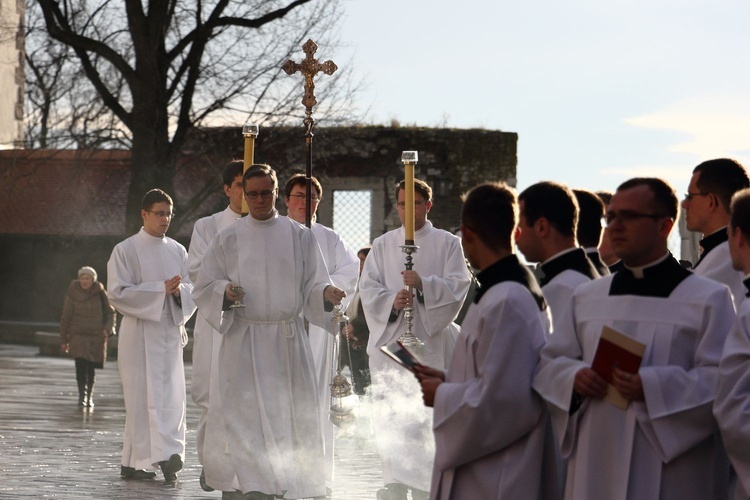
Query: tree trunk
x=153 y=155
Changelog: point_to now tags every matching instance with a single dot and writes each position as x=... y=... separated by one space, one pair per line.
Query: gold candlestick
x=409 y=158
x=250 y=132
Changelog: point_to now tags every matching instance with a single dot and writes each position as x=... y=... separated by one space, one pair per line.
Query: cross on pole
x=309 y=67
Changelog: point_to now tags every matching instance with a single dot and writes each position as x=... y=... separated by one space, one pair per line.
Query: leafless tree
x=163 y=67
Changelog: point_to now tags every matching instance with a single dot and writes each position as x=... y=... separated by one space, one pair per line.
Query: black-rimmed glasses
x=690 y=196
x=626 y=216
x=263 y=194
x=160 y=214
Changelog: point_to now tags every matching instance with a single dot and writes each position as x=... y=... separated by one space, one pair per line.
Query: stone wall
x=36 y=266
x=450 y=161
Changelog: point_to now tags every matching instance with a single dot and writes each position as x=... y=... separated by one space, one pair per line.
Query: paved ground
x=51 y=448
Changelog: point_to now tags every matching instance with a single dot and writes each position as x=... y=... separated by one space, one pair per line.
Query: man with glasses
x=148 y=283
x=546 y=233
x=706 y=207
x=257 y=280
x=440 y=280
x=662 y=444
x=206 y=340
x=343 y=268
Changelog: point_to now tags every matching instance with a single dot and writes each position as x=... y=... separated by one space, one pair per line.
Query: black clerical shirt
x=599 y=265
x=509 y=269
x=575 y=260
x=658 y=280
x=712 y=241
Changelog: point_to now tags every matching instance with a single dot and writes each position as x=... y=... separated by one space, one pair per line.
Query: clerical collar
x=574 y=259
x=657 y=279
x=616 y=267
x=509 y=269
x=712 y=241
x=638 y=271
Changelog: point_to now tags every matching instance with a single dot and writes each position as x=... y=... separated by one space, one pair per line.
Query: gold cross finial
x=309 y=67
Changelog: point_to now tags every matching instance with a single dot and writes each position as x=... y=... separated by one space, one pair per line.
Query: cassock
x=732 y=405
x=490 y=426
x=152 y=335
x=658 y=448
x=271 y=438
x=596 y=259
x=204 y=337
x=561 y=275
x=402 y=422
x=716 y=264
x=343 y=268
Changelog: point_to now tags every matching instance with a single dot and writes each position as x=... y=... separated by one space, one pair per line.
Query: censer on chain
x=341 y=412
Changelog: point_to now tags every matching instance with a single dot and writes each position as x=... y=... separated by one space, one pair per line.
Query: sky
x=598 y=91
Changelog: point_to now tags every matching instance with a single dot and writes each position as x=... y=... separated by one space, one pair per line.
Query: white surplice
x=657 y=449
x=558 y=293
x=152 y=335
x=402 y=423
x=489 y=425
x=343 y=268
x=732 y=405
x=717 y=265
x=204 y=336
x=270 y=440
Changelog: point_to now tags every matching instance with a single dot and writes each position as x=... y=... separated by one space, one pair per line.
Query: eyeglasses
x=263 y=194
x=402 y=204
x=626 y=216
x=161 y=214
x=690 y=196
x=301 y=197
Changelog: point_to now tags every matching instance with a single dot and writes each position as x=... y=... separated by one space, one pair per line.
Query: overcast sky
x=598 y=91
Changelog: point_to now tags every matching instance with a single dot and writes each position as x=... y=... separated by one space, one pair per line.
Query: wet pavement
x=52 y=448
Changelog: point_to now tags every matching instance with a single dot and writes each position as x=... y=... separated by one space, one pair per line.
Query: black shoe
x=135 y=474
x=203 y=484
x=90 y=401
x=232 y=495
x=257 y=495
x=81 y=400
x=171 y=467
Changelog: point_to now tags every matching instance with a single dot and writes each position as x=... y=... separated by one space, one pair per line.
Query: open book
x=401 y=355
x=616 y=350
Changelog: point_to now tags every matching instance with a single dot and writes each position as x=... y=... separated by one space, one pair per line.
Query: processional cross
x=309 y=67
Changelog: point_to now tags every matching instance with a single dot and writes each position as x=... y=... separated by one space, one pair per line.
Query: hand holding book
x=617 y=361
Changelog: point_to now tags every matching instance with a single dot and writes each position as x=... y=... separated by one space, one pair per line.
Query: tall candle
x=250 y=131
x=410 y=159
x=409 y=198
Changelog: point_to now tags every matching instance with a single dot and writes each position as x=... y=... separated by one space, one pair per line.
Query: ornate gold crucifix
x=309 y=67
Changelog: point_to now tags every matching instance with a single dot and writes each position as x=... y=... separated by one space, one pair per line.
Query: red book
x=616 y=350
